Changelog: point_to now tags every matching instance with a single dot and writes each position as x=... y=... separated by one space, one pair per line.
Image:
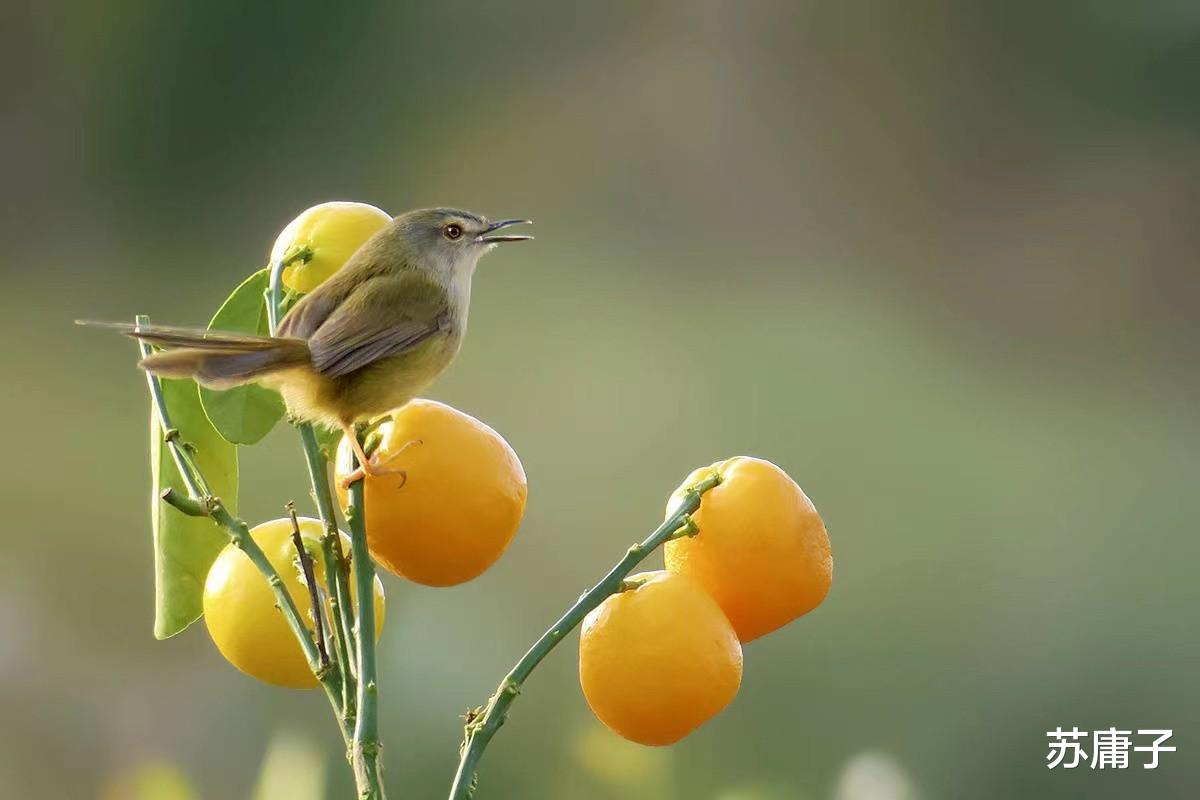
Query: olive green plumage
x=364 y=342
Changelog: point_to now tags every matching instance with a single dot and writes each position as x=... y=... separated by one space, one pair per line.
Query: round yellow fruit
x=762 y=551
x=329 y=234
x=659 y=660
x=458 y=504
x=240 y=611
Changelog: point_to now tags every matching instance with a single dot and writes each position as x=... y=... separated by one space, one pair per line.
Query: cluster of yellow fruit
x=661 y=658
x=655 y=661
x=444 y=522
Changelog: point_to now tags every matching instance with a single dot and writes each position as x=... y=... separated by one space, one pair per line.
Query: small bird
x=364 y=342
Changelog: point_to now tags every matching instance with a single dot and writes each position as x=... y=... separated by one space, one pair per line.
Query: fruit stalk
x=482 y=724
x=201 y=502
x=365 y=747
x=274 y=296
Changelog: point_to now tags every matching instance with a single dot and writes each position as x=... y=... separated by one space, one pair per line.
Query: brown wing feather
x=382 y=317
x=315 y=307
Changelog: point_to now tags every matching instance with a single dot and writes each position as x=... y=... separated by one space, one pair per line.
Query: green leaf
x=244 y=414
x=185 y=547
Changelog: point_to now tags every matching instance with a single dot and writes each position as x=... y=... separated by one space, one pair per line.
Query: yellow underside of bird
x=366 y=393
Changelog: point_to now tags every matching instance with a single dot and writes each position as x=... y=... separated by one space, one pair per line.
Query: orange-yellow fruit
x=762 y=551
x=330 y=232
x=239 y=606
x=659 y=660
x=457 y=507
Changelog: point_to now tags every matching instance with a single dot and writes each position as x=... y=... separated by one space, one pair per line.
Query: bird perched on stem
x=364 y=342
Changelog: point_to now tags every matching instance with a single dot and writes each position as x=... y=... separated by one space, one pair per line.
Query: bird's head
x=451 y=241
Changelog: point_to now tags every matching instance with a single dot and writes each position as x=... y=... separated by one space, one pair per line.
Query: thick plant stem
x=201 y=502
x=483 y=723
x=365 y=748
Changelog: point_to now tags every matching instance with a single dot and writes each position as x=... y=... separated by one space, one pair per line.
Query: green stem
x=336 y=570
x=275 y=284
x=337 y=580
x=203 y=502
x=188 y=470
x=365 y=748
x=275 y=294
x=310 y=581
x=482 y=724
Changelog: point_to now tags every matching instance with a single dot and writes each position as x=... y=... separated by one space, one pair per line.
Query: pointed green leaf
x=185 y=547
x=244 y=414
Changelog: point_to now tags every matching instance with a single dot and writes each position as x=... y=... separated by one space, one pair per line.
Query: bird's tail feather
x=216 y=359
x=223 y=369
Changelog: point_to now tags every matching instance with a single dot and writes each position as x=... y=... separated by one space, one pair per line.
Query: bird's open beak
x=483 y=238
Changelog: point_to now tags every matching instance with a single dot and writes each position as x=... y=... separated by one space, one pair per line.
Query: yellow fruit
x=659 y=660
x=762 y=551
x=239 y=606
x=457 y=507
x=331 y=232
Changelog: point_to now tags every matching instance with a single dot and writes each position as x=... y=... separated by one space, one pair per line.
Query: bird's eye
x=452 y=231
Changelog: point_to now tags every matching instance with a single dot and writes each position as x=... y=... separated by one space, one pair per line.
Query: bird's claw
x=374 y=471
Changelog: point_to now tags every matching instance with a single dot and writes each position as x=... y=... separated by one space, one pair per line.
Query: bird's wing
x=383 y=316
x=303 y=320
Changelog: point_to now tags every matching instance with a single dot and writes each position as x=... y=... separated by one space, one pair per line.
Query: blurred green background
x=937 y=260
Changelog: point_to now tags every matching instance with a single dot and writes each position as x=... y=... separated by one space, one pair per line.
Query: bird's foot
x=375 y=468
x=375 y=471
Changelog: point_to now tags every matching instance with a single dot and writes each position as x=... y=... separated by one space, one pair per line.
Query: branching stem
x=337 y=571
x=482 y=724
x=355 y=641
x=201 y=502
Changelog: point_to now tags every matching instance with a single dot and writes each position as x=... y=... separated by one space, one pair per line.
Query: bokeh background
x=938 y=260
